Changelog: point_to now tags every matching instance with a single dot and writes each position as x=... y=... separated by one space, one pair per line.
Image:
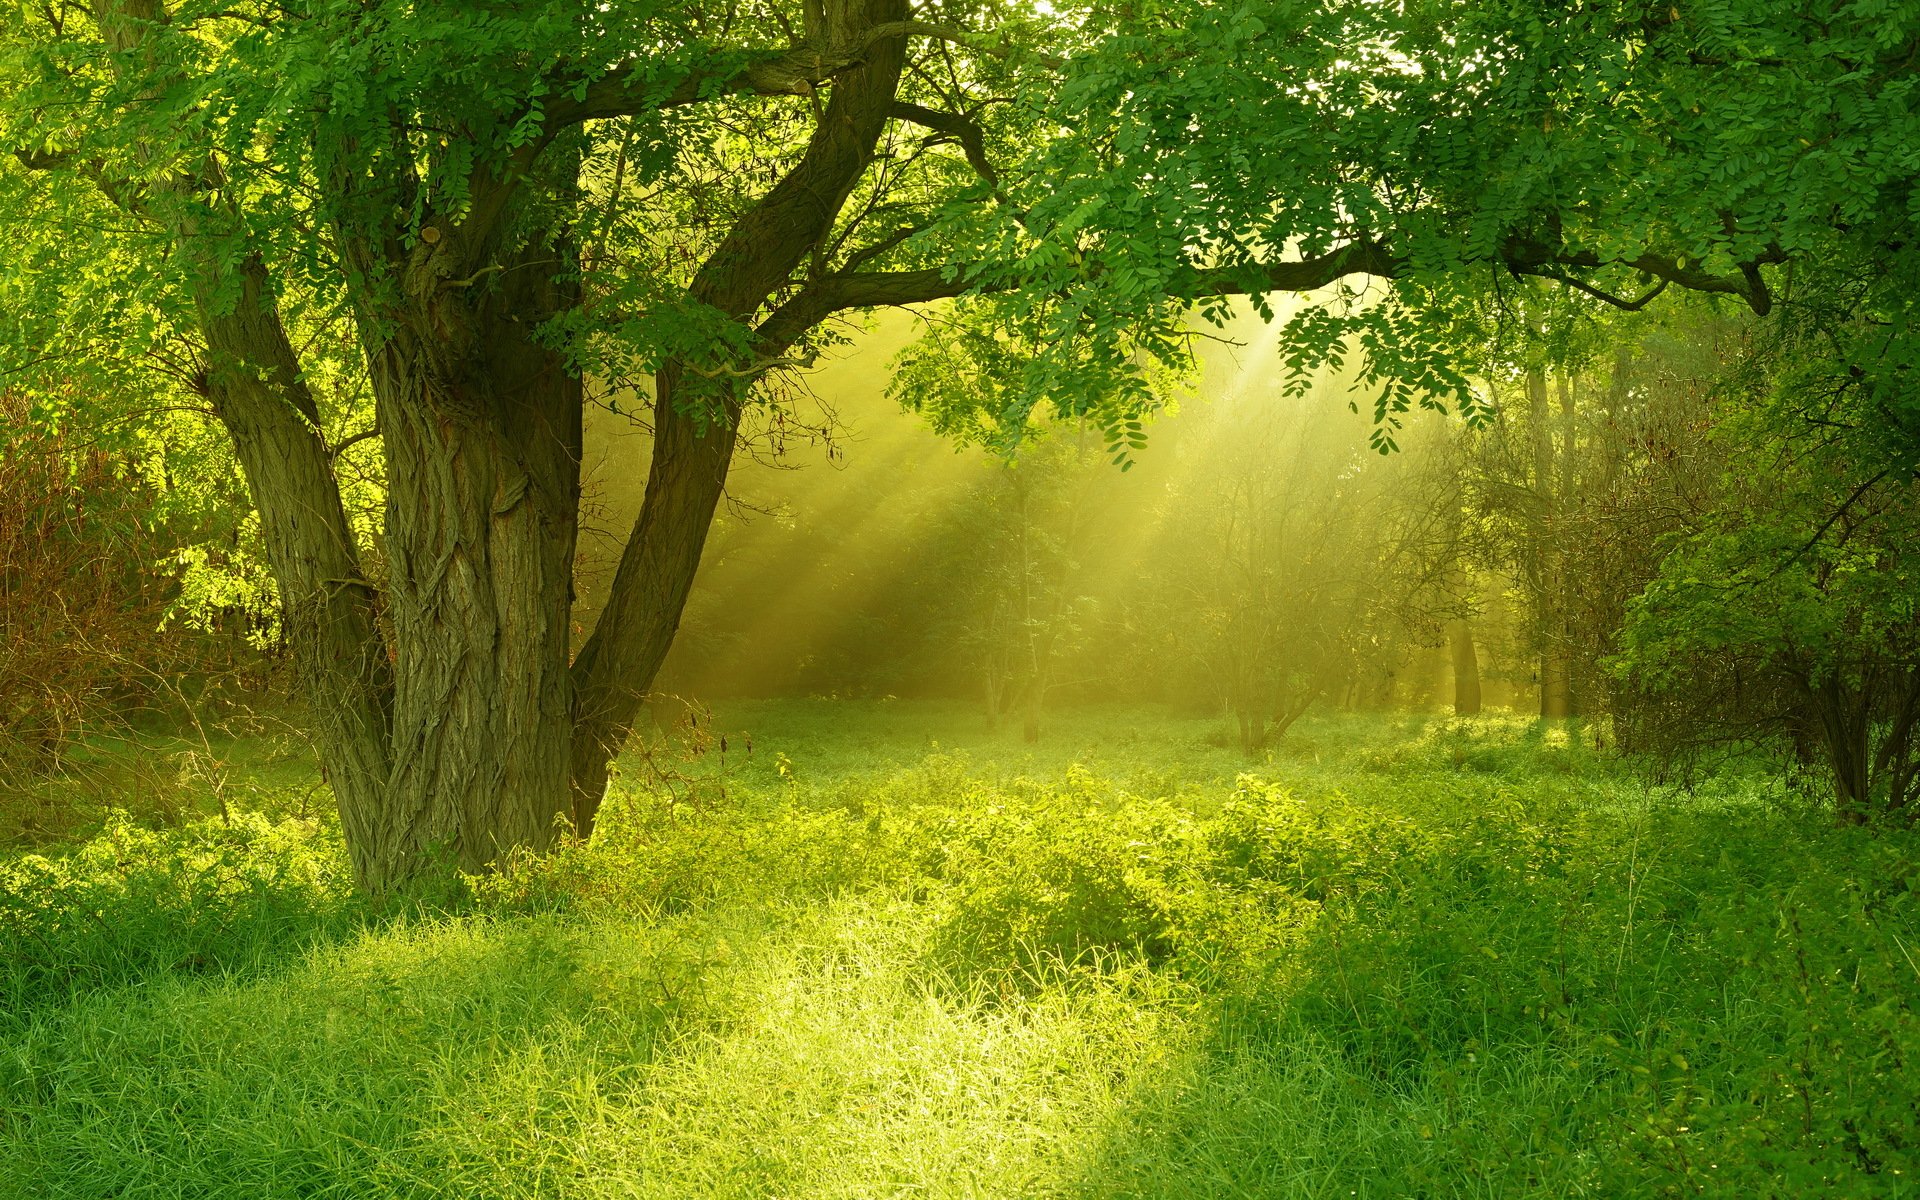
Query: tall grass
x=887 y=955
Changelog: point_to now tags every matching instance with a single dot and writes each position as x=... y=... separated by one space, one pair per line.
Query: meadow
x=870 y=949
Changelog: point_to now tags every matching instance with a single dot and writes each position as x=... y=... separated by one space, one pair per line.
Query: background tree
x=1785 y=611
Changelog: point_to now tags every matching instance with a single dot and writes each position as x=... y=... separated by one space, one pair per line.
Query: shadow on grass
x=136 y=905
x=1707 y=1004
x=1271 y=1104
x=326 y=1075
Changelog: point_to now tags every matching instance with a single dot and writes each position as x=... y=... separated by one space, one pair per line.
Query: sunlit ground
x=889 y=953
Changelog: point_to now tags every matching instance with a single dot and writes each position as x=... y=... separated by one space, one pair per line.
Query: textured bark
x=252 y=378
x=328 y=609
x=483 y=454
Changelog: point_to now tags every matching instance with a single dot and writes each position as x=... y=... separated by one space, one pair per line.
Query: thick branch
x=693 y=443
x=627 y=89
x=1526 y=256
x=879 y=289
x=952 y=125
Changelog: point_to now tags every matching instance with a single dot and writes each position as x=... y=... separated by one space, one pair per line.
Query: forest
x=959 y=598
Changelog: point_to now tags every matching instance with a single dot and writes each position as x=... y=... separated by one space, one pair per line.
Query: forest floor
x=872 y=950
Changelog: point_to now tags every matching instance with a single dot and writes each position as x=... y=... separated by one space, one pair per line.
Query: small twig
x=476 y=277
x=339 y=447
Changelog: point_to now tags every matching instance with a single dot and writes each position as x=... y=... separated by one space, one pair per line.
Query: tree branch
x=961 y=129
x=793 y=72
x=1529 y=256
x=339 y=447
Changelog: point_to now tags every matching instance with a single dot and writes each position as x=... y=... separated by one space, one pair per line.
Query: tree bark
x=482 y=431
x=328 y=608
x=617 y=664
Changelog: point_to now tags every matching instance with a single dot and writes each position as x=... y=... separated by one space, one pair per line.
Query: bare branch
x=340 y=446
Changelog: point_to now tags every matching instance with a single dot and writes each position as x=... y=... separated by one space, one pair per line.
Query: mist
x=1257 y=557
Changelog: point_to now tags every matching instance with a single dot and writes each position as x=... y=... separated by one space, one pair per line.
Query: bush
x=212 y=896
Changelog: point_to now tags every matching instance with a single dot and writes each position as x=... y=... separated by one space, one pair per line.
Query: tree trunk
x=482 y=431
x=470 y=734
x=1555 y=696
x=1847 y=732
x=1556 y=689
x=253 y=379
x=1253 y=732
x=616 y=666
x=1466 y=668
x=328 y=608
x=1564 y=597
x=695 y=428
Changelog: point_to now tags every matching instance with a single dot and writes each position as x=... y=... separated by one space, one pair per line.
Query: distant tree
x=1300 y=558
x=1024 y=588
x=1788 y=609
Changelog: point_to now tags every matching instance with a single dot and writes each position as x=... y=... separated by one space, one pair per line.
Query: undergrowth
x=1396 y=958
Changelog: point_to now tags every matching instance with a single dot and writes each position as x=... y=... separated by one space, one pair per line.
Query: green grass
x=887 y=953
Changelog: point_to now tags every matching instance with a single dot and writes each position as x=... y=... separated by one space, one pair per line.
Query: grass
x=887 y=953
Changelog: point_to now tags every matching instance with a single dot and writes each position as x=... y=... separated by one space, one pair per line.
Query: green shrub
x=210 y=897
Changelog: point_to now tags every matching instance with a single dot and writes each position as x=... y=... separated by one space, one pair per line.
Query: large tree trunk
x=482 y=431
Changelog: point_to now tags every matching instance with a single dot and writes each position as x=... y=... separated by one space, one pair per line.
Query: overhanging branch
x=627 y=89
x=881 y=289
x=960 y=129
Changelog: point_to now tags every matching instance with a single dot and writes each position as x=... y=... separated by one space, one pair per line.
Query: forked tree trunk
x=469 y=734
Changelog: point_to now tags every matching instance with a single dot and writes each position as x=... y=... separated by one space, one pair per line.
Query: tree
x=1298 y=560
x=1023 y=582
x=1785 y=608
x=479 y=204
x=455 y=183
